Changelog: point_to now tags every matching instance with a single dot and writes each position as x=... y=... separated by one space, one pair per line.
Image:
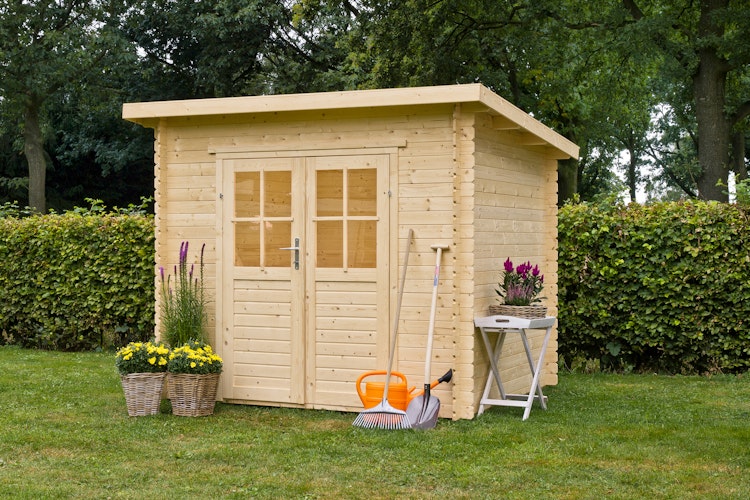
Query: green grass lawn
x=64 y=432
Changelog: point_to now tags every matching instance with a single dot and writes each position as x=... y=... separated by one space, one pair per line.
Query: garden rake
x=383 y=415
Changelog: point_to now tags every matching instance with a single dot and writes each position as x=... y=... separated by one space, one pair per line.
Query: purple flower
x=183 y=252
x=183 y=304
x=520 y=285
x=523 y=269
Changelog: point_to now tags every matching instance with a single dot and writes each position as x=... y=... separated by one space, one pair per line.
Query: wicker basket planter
x=192 y=395
x=527 y=312
x=142 y=392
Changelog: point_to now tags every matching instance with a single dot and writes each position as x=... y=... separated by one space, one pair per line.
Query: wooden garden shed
x=342 y=177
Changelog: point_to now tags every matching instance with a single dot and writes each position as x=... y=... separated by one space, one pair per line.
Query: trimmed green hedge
x=76 y=281
x=664 y=286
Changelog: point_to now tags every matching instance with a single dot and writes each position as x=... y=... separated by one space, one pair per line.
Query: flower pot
x=192 y=395
x=142 y=392
x=527 y=312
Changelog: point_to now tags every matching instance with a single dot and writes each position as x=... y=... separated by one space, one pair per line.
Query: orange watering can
x=398 y=394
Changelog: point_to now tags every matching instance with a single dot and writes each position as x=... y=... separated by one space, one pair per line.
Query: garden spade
x=423 y=410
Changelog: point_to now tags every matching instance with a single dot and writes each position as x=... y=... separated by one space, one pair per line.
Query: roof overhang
x=505 y=115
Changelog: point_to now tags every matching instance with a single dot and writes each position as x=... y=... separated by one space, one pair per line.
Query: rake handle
x=397 y=315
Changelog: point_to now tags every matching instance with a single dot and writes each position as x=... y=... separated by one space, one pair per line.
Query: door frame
x=224 y=297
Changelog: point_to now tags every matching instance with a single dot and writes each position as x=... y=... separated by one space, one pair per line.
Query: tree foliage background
x=656 y=93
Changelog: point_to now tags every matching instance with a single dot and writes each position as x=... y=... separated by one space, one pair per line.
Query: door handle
x=296 y=252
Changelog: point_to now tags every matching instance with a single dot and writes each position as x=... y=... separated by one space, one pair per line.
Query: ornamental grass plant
x=183 y=304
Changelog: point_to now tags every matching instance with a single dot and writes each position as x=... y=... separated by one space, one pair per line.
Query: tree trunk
x=632 y=174
x=567 y=180
x=738 y=156
x=35 y=157
x=709 y=91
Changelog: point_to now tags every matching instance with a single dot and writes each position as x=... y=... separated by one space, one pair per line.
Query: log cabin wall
x=422 y=179
x=515 y=216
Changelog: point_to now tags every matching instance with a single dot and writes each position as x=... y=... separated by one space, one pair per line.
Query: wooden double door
x=303 y=276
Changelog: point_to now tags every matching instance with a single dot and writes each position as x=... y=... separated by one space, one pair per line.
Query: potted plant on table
x=142 y=367
x=519 y=287
x=194 y=371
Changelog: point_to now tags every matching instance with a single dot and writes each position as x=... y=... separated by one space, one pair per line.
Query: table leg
x=530 y=359
x=495 y=355
x=494 y=371
x=535 y=387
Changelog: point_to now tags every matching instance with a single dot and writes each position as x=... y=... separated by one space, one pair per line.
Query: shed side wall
x=515 y=216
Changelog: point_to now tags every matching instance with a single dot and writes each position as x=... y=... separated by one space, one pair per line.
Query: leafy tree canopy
x=654 y=92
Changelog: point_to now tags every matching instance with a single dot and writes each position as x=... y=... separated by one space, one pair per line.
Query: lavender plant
x=520 y=286
x=183 y=306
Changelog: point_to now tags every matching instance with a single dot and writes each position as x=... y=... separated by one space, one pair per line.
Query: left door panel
x=262 y=285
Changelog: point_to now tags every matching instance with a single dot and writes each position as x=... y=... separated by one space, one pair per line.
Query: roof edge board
x=347 y=99
x=146 y=112
x=513 y=114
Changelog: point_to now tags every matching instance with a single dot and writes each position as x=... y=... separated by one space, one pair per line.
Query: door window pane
x=247 y=194
x=362 y=191
x=278 y=194
x=278 y=235
x=330 y=243
x=330 y=193
x=246 y=244
x=362 y=243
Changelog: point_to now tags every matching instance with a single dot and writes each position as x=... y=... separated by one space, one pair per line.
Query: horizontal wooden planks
x=481 y=191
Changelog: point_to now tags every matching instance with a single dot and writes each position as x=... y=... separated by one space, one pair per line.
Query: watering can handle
x=376 y=372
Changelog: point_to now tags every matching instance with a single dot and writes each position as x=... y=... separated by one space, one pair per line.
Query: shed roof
x=506 y=115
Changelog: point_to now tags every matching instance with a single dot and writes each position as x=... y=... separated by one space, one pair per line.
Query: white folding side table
x=503 y=325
